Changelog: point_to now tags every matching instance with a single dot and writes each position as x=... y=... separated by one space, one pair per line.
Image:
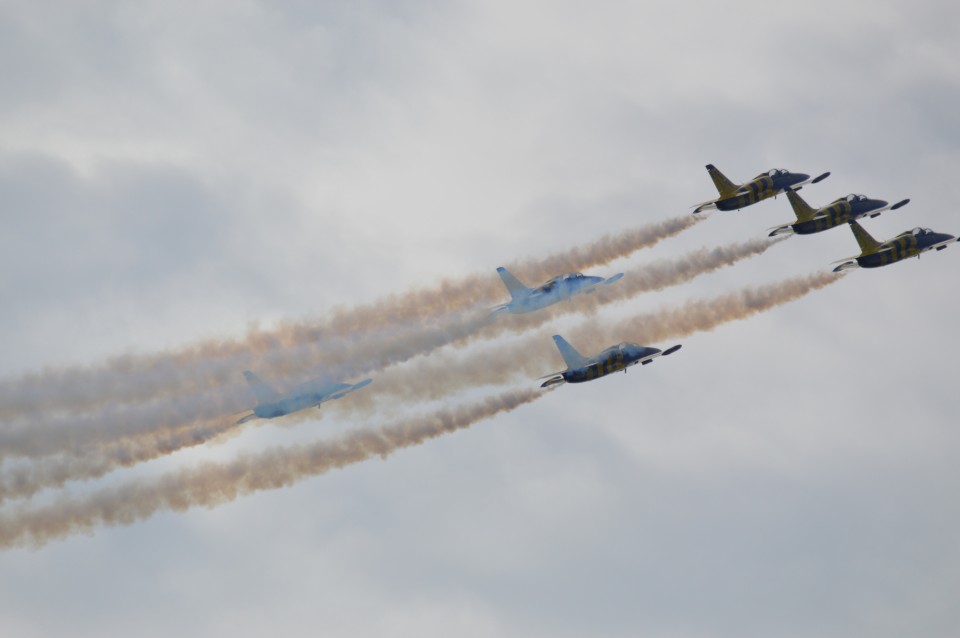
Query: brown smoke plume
x=346 y=358
x=535 y=355
x=213 y=484
x=94 y=440
x=443 y=374
x=140 y=378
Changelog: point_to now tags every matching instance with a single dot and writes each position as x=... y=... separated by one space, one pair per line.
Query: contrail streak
x=346 y=359
x=535 y=355
x=140 y=378
x=213 y=484
x=443 y=374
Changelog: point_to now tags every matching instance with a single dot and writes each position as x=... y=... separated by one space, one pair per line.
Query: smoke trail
x=95 y=461
x=213 y=484
x=532 y=356
x=347 y=359
x=535 y=355
x=140 y=378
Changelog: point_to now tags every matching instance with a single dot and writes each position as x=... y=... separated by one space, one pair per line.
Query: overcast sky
x=172 y=172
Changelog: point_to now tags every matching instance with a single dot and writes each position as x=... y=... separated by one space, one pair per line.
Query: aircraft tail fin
x=867 y=243
x=725 y=187
x=263 y=392
x=573 y=358
x=512 y=283
x=801 y=208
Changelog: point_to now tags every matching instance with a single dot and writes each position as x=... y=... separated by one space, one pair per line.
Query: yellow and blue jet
x=874 y=254
x=271 y=404
x=763 y=186
x=613 y=359
x=839 y=211
x=524 y=299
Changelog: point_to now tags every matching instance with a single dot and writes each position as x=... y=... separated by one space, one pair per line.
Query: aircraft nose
x=799 y=178
x=879 y=203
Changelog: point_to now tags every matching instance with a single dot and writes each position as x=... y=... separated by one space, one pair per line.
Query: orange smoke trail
x=167 y=374
x=213 y=484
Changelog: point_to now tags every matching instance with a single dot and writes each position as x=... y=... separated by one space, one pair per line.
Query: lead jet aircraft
x=613 y=359
x=761 y=187
x=839 y=211
x=911 y=243
x=524 y=299
x=271 y=404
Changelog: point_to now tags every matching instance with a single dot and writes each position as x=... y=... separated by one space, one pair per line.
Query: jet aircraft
x=271 y=404
x=908 y=244
x=613 y=359
x=839 y=211
x=761 y=187
x=524 y=299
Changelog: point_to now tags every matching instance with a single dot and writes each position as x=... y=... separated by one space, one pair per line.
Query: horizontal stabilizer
x=699 y=208
x=786 y=229
x=557 y=380
x=847 y=265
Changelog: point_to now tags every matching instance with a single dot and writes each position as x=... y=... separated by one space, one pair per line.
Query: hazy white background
x=175 y=171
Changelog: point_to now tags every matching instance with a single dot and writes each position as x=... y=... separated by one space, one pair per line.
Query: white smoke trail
x=213 y=484
x=212 y=363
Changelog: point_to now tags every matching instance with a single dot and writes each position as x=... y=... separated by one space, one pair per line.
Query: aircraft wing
x=616 y=277
x=344 y=392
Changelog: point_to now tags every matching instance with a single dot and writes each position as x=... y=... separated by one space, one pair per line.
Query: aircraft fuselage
x=554 y=291
x=611 y=360
x=904 y=247
x=761 y=188
x=837 y=213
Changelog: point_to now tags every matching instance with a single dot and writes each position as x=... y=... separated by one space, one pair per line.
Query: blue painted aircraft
x=911 y=243
x=763 y=186
x=613 y=359
x=524 y=299
x=271 y=404
x=840 y=211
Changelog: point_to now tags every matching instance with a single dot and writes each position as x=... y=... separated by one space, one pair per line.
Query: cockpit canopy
x=552 y=283
x=917 y=232
x=853 y=197
x=773 y=172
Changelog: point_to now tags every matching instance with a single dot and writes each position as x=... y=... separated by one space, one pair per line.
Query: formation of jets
x=845 y=210
x=523 y=299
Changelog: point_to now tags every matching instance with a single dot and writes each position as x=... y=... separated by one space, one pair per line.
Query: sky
x=181 y=173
